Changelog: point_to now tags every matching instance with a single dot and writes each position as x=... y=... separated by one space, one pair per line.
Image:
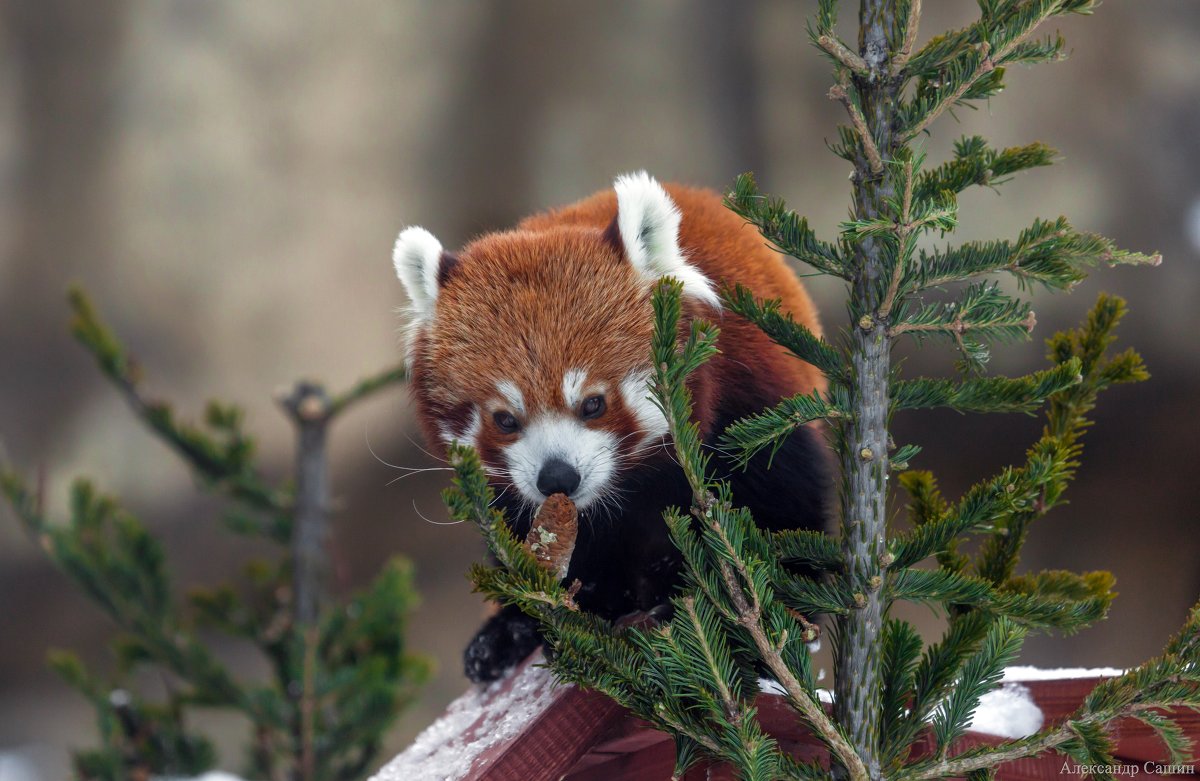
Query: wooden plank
x=567 y=733
x=653 y=763
x=524 y=728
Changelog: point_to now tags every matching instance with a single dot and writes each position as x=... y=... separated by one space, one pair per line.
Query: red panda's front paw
x=504 y=641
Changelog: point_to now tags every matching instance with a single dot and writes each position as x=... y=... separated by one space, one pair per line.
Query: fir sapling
x=341 y=672
x=748 y=595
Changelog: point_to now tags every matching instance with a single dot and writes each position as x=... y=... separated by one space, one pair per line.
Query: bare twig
x=308 y=708
x=309 y=408
x=840 y=52
x=910 y=38
x=366 y=387
x=839 y=93
x=903 y=229
x=956 y=767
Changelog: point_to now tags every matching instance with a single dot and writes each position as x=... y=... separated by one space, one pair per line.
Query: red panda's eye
x=506 y=422
x=592 y=407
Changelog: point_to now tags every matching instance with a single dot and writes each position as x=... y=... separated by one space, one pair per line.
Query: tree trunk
x=865 y=454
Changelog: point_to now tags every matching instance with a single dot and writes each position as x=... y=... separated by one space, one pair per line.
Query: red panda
x=533 y=346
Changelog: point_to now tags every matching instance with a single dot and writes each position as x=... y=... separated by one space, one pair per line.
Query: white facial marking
x=572 y=387
x=648 y=221
x=468 y=434
x=512 y=395
x=592 y=452
x=635 y=390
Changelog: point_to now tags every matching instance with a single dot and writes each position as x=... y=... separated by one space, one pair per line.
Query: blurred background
x=227 y=179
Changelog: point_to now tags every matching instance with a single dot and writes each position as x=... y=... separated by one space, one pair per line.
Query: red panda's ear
x=648 y=228
x=423 y=267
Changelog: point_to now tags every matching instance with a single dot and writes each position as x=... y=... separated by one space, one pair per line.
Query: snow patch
x=480 y=719
x=772 y=686
x=215 y=775
x=1008 y=712
x=1038 y=674
x=16 y=767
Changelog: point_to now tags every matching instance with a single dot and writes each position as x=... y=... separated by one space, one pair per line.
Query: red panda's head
x=534 y=346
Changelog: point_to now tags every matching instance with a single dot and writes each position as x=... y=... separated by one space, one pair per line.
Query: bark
x=865 y=455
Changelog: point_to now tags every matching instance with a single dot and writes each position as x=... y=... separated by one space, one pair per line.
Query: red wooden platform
x=528 y=728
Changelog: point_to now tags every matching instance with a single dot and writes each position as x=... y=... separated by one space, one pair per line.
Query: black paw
x=506 y=639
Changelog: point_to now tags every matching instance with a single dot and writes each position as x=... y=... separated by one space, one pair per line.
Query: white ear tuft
x=648 y=221
x=417 y=257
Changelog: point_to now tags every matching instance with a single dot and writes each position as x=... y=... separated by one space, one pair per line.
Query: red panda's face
x=534 y=347
x=541 y=345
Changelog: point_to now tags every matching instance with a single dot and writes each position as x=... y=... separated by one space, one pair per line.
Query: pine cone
x=551 y=538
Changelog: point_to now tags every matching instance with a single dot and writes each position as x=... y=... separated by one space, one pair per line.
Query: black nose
x=557 y=477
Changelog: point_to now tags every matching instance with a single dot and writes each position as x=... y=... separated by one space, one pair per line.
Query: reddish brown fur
x=557 y=281
x=728 y=250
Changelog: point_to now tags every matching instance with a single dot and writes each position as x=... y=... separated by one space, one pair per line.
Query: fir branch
x=983 y=309
x=672 y=365
x=716 y=657
x=936 y=533
x=934 y=56
x=961 y=60
x=901 y=648
x=1037 y=610
x=1057 y=599
x=983 y=314
x=1049 y=611
x=975 y=163
x=1179 y=746
x=783 y=229
x=743 y=580
x=223 y=465
x=1019 y=496
x=987 y=394
x=959 y=77
x=935 y=674
x=110 y=555
x=1036 y=52
x=772 y=428
x=979 y=675
x=783 y=329
x=934 y=537
x=1169 y=681
x=824 y=37
x=1049 y=253
x=814 y=597
x=812 y=548
x=936 y=587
